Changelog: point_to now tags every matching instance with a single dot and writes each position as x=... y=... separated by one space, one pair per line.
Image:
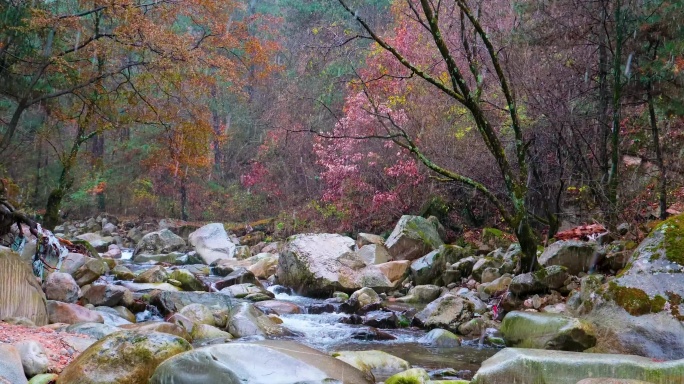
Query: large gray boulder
x=639 y=312
x=170 y=302
x=11 y=370
x=516 y=365
x=20 y=293
x=34 y=359
x=62 y=287
x=547 y=331
x=577 y=256
x=264 y=362
x=212 y=243
x=430 y=268
x=653 y=280
x=126 y=357
x=413 y=237
x=655 y=335
x=319 y=264
x=160 y=242
x=374 y=254
x=100 y=243
x=447 y=312
x=246 y=320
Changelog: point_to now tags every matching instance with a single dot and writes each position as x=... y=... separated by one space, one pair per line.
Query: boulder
x=245 y=320
x=501 y=284
x=412 y=237
x=265 y=266
x=441 y=338
x=113 y=252
x=655 y=335
x=198 y=314
x=319 y=264
x=364 y=297
x=547 y=331
x=421 y=294
x=212 y=243
x=278 y=307
x=72 y=262
x=90 y=271
x=527 y=284
x=160 y=242
x=653 y=280
x=395 y=271
x=33 y=357
x=11 y=371
x=410 y=376
x=206 y=332
x=521 y=365
x=94 y=330
x=374 y=254
x=20 y=293
x=104 y=294
x=577 y=256
x=248 y=291
x=188 y=281
x=109 y=229
x=447 y=312
x=98 y=242
x=264 y=362
x=485 y=263
x=376 y=363
x=238 y=276
x=59 y=312
x=159 y=326
x=430 y=268
x=45 y=378
x=121 y=272
x=126 y=357
x=368 y=239
x=171 y=302
x=148 y=287
x=61 y=287
x=156 y=274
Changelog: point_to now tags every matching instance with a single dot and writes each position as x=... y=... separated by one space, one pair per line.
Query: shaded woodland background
x=243 y=110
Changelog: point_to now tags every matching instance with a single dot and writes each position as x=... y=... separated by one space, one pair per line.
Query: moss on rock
x=634 y=300
x=673 y=229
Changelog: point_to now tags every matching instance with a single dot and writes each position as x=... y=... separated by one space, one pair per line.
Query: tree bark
x=662 y=180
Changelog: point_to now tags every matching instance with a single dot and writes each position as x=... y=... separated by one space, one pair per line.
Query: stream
x=326 y=332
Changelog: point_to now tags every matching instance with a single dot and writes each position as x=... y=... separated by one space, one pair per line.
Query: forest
x=530 y=116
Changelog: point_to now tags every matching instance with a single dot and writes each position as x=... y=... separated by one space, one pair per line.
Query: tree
x=117 y=64
x=464 y=53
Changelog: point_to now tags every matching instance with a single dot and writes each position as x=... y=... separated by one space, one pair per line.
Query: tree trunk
x=528 y=244
x=184 y=201
x=662 y=181
x=12 y=126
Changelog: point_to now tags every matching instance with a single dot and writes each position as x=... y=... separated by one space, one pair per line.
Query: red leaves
x=583 y=232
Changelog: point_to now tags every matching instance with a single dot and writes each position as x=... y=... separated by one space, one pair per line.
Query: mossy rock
x=126 y=357
x=413 y=237
x=547 y=331
x=653 y=280
x=519 y=365
x=410 y=376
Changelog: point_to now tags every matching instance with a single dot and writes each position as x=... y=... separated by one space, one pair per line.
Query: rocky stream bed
x=191 y=304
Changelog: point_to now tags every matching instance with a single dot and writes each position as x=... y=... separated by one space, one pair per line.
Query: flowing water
x=326 y=333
